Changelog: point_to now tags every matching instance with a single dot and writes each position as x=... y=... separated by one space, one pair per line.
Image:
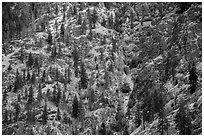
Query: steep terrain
x=102 y=68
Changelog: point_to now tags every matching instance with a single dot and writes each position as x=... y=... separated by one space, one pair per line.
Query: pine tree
x=40 y=96
x=33 y=78
x=82 y=5
x=5 y=117
x=26 y=93
x=49 y=38
x=131 y=19
x=63 y=19
x=110 y=22
x=62 y=30
x=36 y=63
x=91 y=98
x=9 y=67
x=58 y=117
x=118 y=118
x=33 y=115
x=48 y=94
x=114 y=46
x=5 y=95
x=90 y=35
x=64 y=8
x=30 y=61
x=193 y=78
x=74 y=11
x=76 y=60
x=69 y=75
x=30 y=96
x=45 y=115
x=116 y=22
x=58 y=97
x=18 y=82
x=94 y=17
x=66 y=120
x=56 y=9
x=10 y=118
x=103 y=23
x=89 y=18
x=102 y=130
x=43 y=76
x=17 y=111
x=24 y=76
x=75 y=108
x=79 y=19
x=126 y=131
x=106 y=79
x=54 y=95
x=84 y=27
x=64 y=95
x=183 y=120
x=28 y=75
x=84 y=79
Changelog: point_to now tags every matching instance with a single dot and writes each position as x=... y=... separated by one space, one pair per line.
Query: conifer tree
x=26 y=93
x=10 y=118
x=193 y=78
x=89 y=18
x=76 y=60
x=116 y=22
x=69 y=75
x=106 y=79
x=110 y=22
x=36 y=63
x=39 y=97
x=90 y=35
x=18 y=81
x=5 y=117
x=30 y=61
x=131 y=19
x=56 y=9
x=63 y=19
x=103 y=23
x=74 y=10
x=33 y=78
x=94 y=17
x=79 y=19
x=84 y=79
x=17 y=111
x=75 y=108
x=45 y=115
x=54 y=95
x=66 y=120
x=84 y=27
x=28 y=75
x=58 y=117
x=91 y=98
x=58 y=97
x=30 y=96
x=62 y=30
x=43 y=76
x=48 y=94
x=34 y=114
x=9 y=67
x=64 y=96
x=102 y=130
x=24 y=76
x=183 y=120
x=5 y=95
x=49 y=38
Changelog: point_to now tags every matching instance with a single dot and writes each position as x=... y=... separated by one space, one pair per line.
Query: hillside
x=101 y=68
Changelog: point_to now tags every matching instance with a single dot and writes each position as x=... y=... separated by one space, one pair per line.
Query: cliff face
x=102 y=68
